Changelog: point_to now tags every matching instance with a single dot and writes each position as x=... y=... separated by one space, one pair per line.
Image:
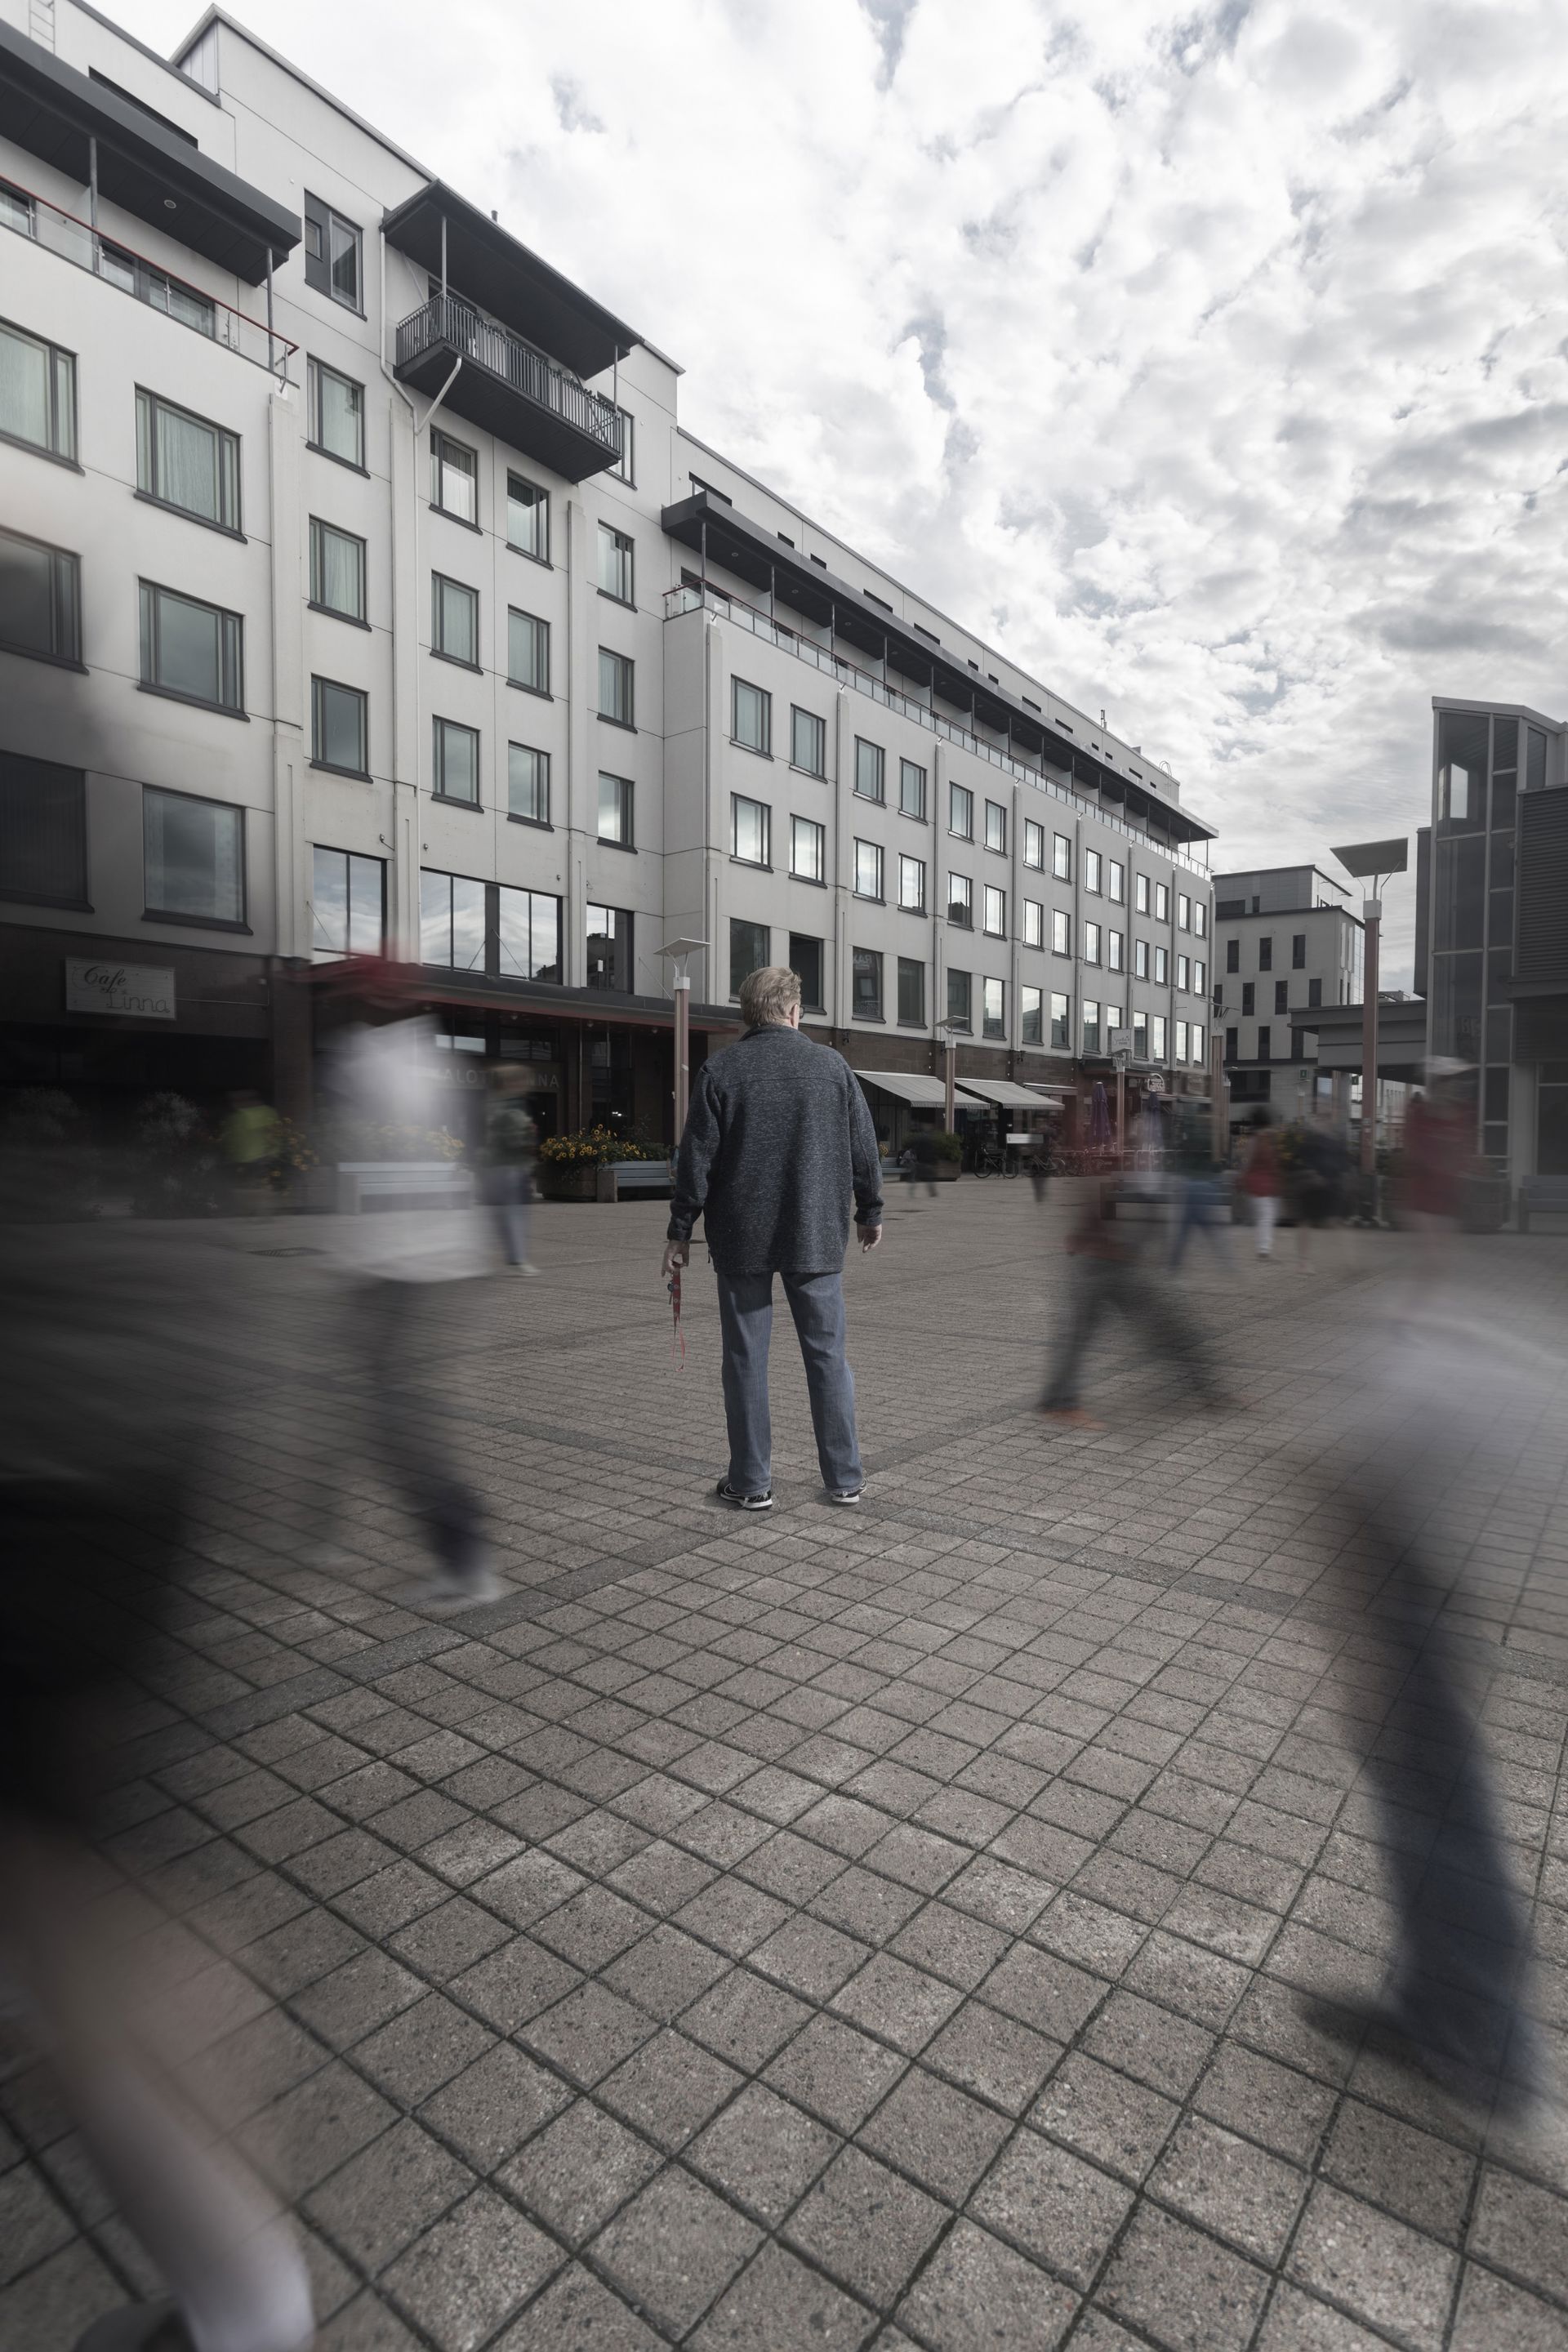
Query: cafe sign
x=143 y=991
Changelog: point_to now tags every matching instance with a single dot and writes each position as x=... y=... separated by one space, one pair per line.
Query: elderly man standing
x=777 y=1139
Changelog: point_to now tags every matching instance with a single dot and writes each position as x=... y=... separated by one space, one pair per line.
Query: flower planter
x=575 y=1181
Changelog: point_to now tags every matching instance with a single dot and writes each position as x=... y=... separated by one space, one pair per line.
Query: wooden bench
x=422 y=1183
x=630 y=1176
x=1544 y=1196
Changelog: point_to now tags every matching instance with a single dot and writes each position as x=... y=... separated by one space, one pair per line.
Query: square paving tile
x=576 y=2172
x=866 y=2226
x=937 y=2133
x=471 y=2272
x=763 y=2152
x=675 y=2248
x=977 y=2292
x=1052 y=2206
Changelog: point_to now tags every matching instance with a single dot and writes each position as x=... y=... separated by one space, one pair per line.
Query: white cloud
x=1209 y=357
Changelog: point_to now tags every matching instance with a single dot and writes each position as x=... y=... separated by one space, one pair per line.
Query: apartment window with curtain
x=1061 y=857
x=1061 y=1023
x=615 y=688
x=337 y=571
x=1162 y=967
x=1184 y=911
x=192 y=651
x=997 y=827
x=870 y=770
x=1183 y=973
x=994 y=1008
x=1115 y=950
x=1031 y=1015
x=961 y=901
x=865 y=981
x=1061 y=932
x=334 y=262
x=994 y=913
x=1140 y=894
x=1161 y=902
x=1091 y=871
x=454 y=621
x=807 y=741
x=348 y=903
x=1034 y=923
x=961 y=812
x=527 y=784
x=527 y=651
x=43 y=832
x=1034 y=844
x=193 y=860
x=1139 y=959
x=40 y=600
x=913 y=885
x=527 y=517
x=805 y=961
x=911 y=992
x=1092 y=942
x=808 y=850
x=615 y=810
x=335 y=413
x=752 y=716
x=749 y=946
x=185 y=463
x=867 y=869
x=1091 y=1026
x=38 y=393
x=455 y=765
x=616 y=565
x=751 y=831
x=454 y=478
x=959 y=999
x=912 y=790
x=609 y=946
x=528 y=935
x=340 y=727
x=1116 y=879
x=1200 y=919
x=1200 y=975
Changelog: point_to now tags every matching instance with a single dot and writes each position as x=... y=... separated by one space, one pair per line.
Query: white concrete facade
x=1286 y=946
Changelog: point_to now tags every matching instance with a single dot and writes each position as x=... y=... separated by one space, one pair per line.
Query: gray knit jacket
x=777 y=1138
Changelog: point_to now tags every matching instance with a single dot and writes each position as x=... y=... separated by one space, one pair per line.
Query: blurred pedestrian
x=778 y=1139
x=922 y=1143
x=252 y=1139
x=1439 y=1144
x=1205 y=1205
x=512 y=1147
x=1260 y=1178
x=1109 y=1274
x=1314 y=1185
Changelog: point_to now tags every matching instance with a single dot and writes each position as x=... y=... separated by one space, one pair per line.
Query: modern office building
x=360 y=592
x=1286 y=946
x=1492 y=923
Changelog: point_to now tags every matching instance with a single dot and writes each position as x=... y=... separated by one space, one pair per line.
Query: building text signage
x=143 y=991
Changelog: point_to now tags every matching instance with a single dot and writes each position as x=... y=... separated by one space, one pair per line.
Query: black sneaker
x=726 y=1494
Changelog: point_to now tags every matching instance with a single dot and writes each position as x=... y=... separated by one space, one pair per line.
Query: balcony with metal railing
x=691 y=597
x=507 y=387
x=75 y=241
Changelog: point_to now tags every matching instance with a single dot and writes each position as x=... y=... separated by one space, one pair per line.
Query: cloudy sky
x=1209 y=359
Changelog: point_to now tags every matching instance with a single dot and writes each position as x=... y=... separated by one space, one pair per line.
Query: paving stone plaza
x=830 y=1928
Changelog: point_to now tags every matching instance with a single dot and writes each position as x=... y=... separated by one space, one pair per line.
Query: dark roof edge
x=1506 y=709
x=440 y=192
x=151 y=56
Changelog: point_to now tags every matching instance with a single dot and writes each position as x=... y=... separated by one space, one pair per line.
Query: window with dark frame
x=1248 y=996
x=187 y=463
x=527 y=651
x=616 y=565
x=1092 y=942
x=1233 y=955
x=1265 y=955
x=38 y=393
x=1140 y=894
x=193 y=854
x=454 y=928
x=1034 y=844
x=913 y=885
x=807 y=741
x=805 y=961
x=1314 y=995
x=335 y=414
x=1061 y=932
x=1162 y=967
x=526 y=938
x=1233 y=1044
x=1031 y=1015
x=454 y=621
x=961 y=901
x=43 y=832
x=1091 y=871
x=994 y=1008
x=348 y=903
x=959 y=998
x=751 y=831
x=1061 y=1023
x=870 y=770
x=40 y=599
x=190 y=650
x=1034 y=923
x=609 y=946
x=869 y=869
x=808 y=850
x=1061 y=857
x=454 y=478
x=340 y=727
x=337 y=570
x=749 y=947
x=865 y=981
x=1298 y=951
x=333 y=252
x=994 y=913
x=1281 y=996
x=528 y=783
x=527 y=517
x=911 y=992
x=997 y=827
x=752 y=716
x=617 y=688
x=1264 y=1042
x=1139 y=959
x=455 y=763
x=615 y=809
x=961 y=812
x=912 y=790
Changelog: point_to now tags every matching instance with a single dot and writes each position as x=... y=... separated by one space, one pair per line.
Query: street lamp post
x=1370 y=861
x=949 y=1038
x=680 y=950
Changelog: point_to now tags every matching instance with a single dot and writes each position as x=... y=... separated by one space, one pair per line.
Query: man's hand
x=869 y=1236
x=675 y=1254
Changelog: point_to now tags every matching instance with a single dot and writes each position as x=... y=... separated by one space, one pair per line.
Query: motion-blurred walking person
x=1205 y=1202
x=1107 y=1274
x=777 y=1141
x=511 y=1143
x=1261 y=1180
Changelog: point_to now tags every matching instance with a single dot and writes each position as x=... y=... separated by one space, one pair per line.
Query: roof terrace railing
x=691 y=598
x=448 y=319
x=77 y=242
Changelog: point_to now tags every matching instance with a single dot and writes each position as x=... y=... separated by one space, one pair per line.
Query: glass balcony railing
x=690 y=598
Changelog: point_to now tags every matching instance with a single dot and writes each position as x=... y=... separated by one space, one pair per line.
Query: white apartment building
x=1286 y=946
x=360 y=592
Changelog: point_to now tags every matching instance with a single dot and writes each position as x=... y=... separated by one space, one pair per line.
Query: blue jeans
x=746 y=1314
x=1204 y=1204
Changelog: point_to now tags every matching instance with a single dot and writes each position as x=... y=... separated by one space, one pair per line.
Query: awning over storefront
x=1003 y=1091
x=913 y=1086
